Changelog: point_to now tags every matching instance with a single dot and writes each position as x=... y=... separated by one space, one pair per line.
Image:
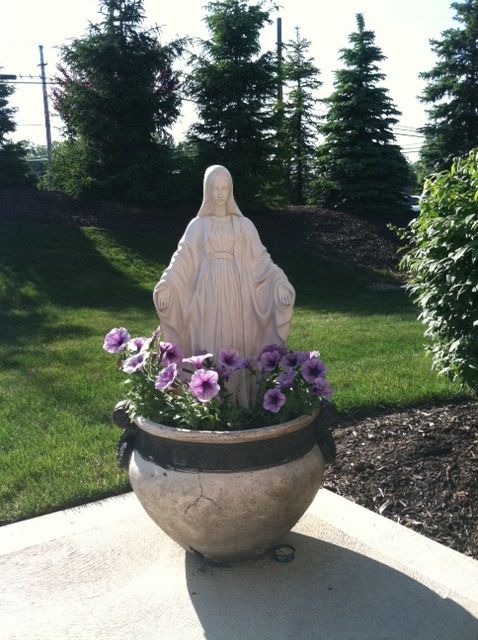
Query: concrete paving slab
x=105 y=571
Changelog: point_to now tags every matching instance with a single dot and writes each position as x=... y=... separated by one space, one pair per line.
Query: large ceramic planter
x=226 y=495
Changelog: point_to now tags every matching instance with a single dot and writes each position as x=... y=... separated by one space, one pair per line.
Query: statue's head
x=218 y=189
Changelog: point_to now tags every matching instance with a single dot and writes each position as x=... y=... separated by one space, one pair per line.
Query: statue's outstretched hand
x=284 y=295
x=163 y=296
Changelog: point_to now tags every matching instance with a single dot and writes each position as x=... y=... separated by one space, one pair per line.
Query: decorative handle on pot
x=327 y=418
x=130 y=431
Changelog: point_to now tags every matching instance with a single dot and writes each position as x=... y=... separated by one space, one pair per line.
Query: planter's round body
x=226 y=495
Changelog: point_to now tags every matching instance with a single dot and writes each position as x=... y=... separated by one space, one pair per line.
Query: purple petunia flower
x=274 y=347
x=289 y=360
x=116 y=340
x=204 y=385
x=322 y=388
x=230 y=358
x=134 y=363
x=286 y=379
x=303 y=356
x=313 y=369
x=137 y=344
x=223 y=372
x=197 y=361
x=167 y=376
x=273 y=400
x=269 y=360
x=170 y=353
x=156 y=334
x=251 y=363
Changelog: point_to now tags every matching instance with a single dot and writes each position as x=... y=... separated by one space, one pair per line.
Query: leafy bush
x=14 y=170
x=441 y=257
x=68 y=171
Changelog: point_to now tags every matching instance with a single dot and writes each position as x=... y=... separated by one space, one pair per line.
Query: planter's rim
x=223 y=437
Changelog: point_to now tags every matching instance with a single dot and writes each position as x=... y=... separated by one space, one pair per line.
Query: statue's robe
x=186 y=321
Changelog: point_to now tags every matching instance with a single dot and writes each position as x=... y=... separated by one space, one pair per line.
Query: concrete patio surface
x=105 y=571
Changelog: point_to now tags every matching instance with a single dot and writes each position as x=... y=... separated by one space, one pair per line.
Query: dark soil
x=418 y=467
x=331 y=234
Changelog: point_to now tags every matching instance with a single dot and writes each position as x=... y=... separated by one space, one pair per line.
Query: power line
x=403 y=126
x=398 y=127
x=410 y=135
x=32 y=82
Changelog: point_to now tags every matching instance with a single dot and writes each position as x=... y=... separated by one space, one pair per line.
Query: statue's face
x=220 y=190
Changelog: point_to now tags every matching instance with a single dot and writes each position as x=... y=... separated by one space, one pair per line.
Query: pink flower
x=134 y=363
x=313 y=369
x=273 y=400
x=274 y=347
x=322 y=388
x=289 y=360
x=230 y=358
x=137 y=344
x=303 y=356
x=197 y=361
x=170 y=353
x=204 y=385
x=269 y=360
x=116 y=340
x=285 y=380
x=167 y=376
x=156 y=334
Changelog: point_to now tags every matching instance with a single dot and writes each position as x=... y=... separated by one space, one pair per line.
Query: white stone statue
x=221 y=289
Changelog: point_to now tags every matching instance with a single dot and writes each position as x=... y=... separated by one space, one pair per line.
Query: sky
x=402 y=29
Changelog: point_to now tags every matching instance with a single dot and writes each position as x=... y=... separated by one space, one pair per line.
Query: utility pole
x=42 y=66
x=279 y=62
x=281 y=142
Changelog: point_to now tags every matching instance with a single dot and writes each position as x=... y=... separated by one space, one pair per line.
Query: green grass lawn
x=63 y=288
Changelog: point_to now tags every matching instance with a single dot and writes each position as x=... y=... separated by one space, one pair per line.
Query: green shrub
x=441 y=257
x=14 y=170
x=68 y=171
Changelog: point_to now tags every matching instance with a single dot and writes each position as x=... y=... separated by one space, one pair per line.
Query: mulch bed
x=418 y=467
x=366 y=241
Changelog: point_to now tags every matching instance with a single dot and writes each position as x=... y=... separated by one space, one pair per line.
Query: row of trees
x=116 y=81
x=118 y=95
x=13 y=166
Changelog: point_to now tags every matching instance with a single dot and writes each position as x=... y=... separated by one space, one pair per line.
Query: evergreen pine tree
x=359 y=166
x=233 y=85
x=14 y=169
x=118 y=98
x=299 y=121
x=452 y=91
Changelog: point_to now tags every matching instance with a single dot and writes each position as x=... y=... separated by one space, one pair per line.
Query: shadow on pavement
x=327 y=593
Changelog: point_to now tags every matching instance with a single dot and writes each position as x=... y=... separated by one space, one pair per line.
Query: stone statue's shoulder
x=247 y=222
x=250 y=229
x=193 y=230
x=248 y=225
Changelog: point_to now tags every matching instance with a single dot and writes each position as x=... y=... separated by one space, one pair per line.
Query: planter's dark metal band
x=243 y=456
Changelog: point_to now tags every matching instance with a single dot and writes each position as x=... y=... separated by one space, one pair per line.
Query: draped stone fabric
x=224 y=290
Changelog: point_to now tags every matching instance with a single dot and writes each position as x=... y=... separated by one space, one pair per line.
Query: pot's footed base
x=232 y=558
x=227 y=516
